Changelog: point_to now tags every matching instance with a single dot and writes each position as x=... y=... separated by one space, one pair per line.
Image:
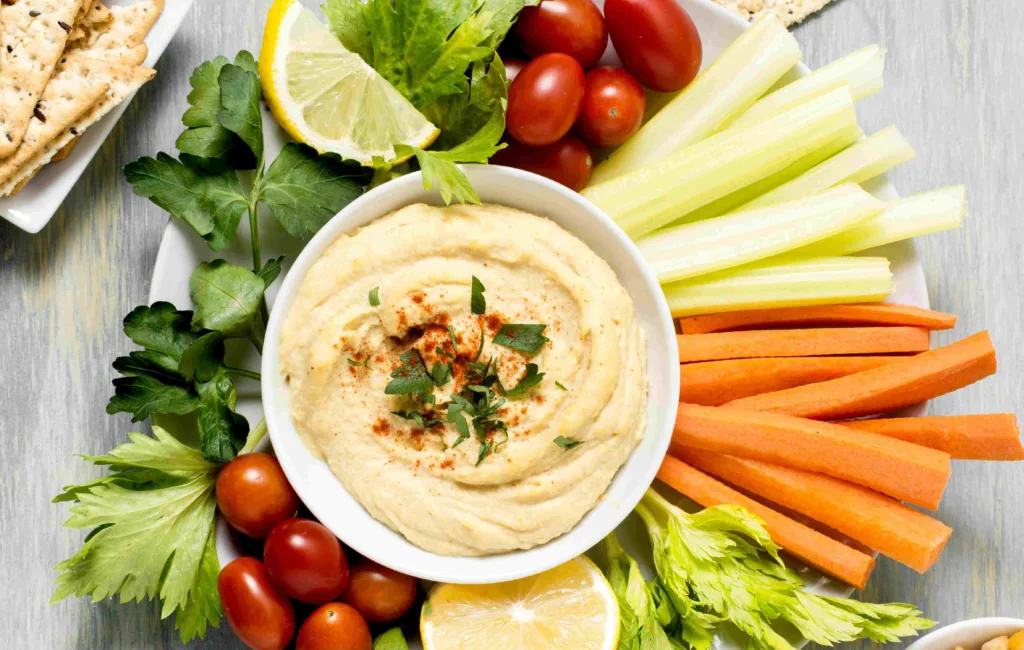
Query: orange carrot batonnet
x=900 y=469
x=966 y=437
x=819 y=315
x=905 y=382
x=711 y=383
x=820 y=551
x=877 y=521
x=801 y=343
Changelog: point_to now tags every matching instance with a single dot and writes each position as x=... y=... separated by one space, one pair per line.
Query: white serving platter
x=181 y=250
x=34 y=206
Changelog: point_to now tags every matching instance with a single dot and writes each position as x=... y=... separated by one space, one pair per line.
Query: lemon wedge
x=570 y=607
x=329 y=98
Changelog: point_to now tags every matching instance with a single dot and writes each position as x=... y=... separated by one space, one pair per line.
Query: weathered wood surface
x=954 y=86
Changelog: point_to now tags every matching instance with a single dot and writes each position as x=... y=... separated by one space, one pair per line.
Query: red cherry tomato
x=544 y=100
x=380 y=594
x=305 y=561
x=257 y=612
x=613 y=107
x=573 y=27
x=253 y=494
x=656 y=40
x=567 y=161
x=334 y=626
x=512 y=68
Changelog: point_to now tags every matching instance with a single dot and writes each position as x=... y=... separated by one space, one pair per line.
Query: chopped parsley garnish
x=411 y=377
x=441 y=374
x=477 y=302
x=374 y=297
x=567 y=443
x=455 y=344
x=559 y=384
x=359 y=364
x=418 y=418
x=529 y=380
x=524 y=338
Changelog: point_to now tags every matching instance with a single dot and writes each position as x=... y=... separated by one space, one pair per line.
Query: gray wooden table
x=954 y=83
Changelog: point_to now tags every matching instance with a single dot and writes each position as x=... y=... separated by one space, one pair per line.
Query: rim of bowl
x=947 y=637
x=349 y=219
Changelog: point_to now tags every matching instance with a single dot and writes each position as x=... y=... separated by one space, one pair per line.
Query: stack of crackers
x=790 y=11
x=64 y=64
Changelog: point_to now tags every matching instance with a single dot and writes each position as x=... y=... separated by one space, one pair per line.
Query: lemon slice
x=329 y=98
x=570 y=607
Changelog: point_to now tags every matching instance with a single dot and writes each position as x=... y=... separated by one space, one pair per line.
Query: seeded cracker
x=790 y=11
x=72 y=91
x=32 y=39
x=120 y=81
x=122 y=39
x=95 y=23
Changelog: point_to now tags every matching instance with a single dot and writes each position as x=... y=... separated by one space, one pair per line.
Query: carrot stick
x=864 y=314
x=902 y=470
x=904 y=382
x=822 y=552
x=879 y=522
x=966 y=437
x=801 y=343
x=715 y=382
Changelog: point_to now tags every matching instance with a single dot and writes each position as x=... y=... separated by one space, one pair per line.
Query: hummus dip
x=532 y=465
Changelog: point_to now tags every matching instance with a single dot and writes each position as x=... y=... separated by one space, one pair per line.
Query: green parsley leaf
x=345 y=18
x=221 y=429
x=359 y=364
x=375 y=297
x=204 y=359
x=524 y=338
x=271 y=269
x=227 y=300
x=485 y=450
x=240 y=113
x=411 y=377
x=455 y=343
x=151 y=539
x=246 y=61
x=211 y=204
x=441 y=374
x=205 y=144
x=461 y=116
x=529 y=380
x=304 y=190
x=161 y=329
x=418 y=418
x=477 y=302
x=559 y=384
x=143 y=396
x=567 y=443
x=391 y=640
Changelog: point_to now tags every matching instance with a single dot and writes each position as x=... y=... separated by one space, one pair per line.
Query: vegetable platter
x=756 y=201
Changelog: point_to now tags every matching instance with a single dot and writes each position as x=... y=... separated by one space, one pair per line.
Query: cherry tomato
x=380 y=594
x=613 y=107
x=656 y=40
x=253 y=494
x=567 y=161
x=544 y=100
x=512 y=68
x=573 y=27
x=257 y=612
x=334 y=626
x=305 y=561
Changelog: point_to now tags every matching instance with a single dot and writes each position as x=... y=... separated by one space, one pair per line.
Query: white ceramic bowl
x=969 y=634
x=324 y=495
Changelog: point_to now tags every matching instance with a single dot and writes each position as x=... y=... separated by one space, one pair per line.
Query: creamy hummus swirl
x=338 y=352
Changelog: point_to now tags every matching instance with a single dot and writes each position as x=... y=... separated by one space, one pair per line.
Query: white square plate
x=34 y=206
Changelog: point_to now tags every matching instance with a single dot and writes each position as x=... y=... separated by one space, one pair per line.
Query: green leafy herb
x=391 y=640
x=460 y=116
x=227 y=299
x=721 y=564
x=411 y=377
x=240 y=105
x=304 y=190
x=485 y=450
x=365 y=363
x=375 y=297
x=455 y=343
x=204 y=359
x=271 y=269
x=477 y=302
x=560 y=386
x=151 y=538
x=529 y=380
x=441 y=374
x=567 y=443
x=425 y=421
x=221 y=429
x=640 y=625
x=524 y=338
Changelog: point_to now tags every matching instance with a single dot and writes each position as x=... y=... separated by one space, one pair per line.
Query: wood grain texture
x=953 y=87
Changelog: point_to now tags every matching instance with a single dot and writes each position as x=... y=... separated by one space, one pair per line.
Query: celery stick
x=866 y=159
x=653 y=196
x=861 y=71
x=728 y=87
x=743 y=237
x=817 y=281
x=912 y=216
x=740 y=198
